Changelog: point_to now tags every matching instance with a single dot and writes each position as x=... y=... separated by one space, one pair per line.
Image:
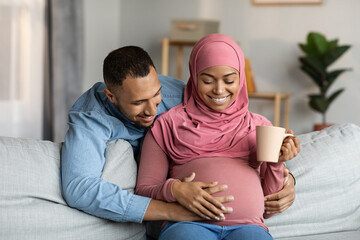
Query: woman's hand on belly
x=215 y=189
x=196 y=196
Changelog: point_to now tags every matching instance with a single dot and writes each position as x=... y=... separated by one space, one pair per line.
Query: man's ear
x=109 y=95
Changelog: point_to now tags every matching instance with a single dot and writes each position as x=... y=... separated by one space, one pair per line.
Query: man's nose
x=151 y=108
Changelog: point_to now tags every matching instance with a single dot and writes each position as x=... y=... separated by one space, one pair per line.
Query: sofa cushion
x=120 y=167
x=327 y=172
x=31 y=205
x=351 y=235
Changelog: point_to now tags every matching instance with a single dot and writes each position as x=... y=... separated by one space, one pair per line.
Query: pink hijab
x=191 y=129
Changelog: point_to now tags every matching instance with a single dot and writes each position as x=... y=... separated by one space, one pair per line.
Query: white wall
x=102 y=34
x=268 y=36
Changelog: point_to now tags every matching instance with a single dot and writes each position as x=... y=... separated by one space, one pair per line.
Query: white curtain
x=21 y=67
x=67 y=40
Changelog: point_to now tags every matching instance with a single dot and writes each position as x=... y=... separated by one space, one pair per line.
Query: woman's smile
x=220 y=100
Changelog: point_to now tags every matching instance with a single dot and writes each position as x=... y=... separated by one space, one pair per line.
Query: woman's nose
x=219 y=88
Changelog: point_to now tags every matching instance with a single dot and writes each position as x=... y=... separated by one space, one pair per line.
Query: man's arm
x=81 y=169
x=159 y=210
x=279 y=202
x=282 y=200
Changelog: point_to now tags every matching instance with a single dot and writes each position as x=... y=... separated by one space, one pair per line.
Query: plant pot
x=318 y=127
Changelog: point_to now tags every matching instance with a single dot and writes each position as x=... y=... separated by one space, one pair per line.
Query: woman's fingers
x=290 y=131
x=297 y=143
x=192 y=196
x=189 y=178
x=225 y=199
x=289 y=149
x=209 y=206
x=199 y=213
x=213 y=204
x=215 y=189
x=217 y=201
x=208 y=210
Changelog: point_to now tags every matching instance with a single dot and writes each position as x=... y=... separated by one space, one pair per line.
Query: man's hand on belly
x=279 y=202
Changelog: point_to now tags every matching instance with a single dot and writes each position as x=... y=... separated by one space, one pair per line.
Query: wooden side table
x=277 y=97
x=166 y=43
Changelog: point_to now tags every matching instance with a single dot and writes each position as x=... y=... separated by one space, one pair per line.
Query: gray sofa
x=327 y=204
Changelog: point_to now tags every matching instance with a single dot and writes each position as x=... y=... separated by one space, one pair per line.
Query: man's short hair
x=126 y=61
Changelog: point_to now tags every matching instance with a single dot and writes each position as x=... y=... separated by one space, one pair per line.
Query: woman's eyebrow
x=229 y=74
x=206 y=74
x=226 y=75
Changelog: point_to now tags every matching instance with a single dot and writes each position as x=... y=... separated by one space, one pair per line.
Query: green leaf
x=308 y=49
x=314 y=63
x=321 y=104
x=305 y=48
x=318 y=103
x=333 y=43
x=325 y=88
x=314 y=75
x=332 y=76
x=333 y=54
x=336 y=73
x=319 y=42
x=334 y=95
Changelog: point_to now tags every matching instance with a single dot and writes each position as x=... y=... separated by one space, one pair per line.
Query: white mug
x=268 y=142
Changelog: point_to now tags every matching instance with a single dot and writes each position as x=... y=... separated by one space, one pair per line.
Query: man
x=122 y=109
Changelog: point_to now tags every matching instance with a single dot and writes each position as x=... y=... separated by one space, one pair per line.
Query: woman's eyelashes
x=207 y=80
x=226 y=81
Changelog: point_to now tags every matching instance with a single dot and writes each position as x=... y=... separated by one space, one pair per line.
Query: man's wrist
x=158 y=210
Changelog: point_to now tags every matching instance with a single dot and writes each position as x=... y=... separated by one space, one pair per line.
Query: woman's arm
x=153 y=171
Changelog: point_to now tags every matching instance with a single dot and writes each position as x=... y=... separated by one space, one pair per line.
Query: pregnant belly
x=243 y=183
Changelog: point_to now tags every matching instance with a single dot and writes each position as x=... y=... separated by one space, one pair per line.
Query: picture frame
x=286 y=2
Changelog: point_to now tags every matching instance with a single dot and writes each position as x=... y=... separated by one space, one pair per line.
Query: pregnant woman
x=212 y=134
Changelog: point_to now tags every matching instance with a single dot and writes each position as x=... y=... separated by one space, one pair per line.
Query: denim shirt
x=93 y=121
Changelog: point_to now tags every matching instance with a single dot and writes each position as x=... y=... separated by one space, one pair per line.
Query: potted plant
x=319 y=55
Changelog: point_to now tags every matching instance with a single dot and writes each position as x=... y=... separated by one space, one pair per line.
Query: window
x=21 y=67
